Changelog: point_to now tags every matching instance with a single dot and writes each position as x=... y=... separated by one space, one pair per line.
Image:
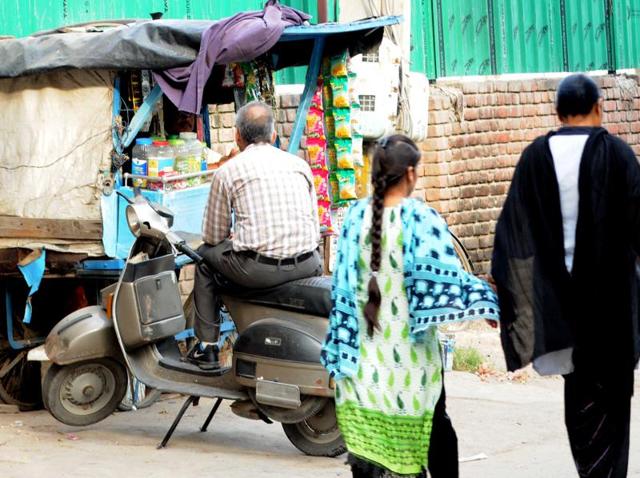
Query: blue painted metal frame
x=312 y=32
x=311 y=83
x=138 y=120
x=13 y=343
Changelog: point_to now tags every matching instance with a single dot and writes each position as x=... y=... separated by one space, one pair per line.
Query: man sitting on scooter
x=275 y=234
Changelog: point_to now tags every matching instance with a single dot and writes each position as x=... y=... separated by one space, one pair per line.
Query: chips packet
x=340 y=64
x=317 y=153
x=342 y=118
x=340 y=92
x=347 y=184
x=344 y=157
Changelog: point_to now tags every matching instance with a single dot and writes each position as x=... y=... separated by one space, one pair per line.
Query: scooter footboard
x=284 y=351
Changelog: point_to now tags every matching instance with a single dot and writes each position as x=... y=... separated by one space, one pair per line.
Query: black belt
x=277 y=262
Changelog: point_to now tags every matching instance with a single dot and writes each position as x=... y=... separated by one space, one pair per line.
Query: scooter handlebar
x=190 y=253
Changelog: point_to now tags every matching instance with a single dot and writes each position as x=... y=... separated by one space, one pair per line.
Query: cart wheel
x=318 y=435
x=84 y=393
x=19 y=379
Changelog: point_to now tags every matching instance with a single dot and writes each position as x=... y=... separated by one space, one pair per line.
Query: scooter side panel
x=83 y=335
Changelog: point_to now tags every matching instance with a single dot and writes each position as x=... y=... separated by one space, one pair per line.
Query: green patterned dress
x=385 y=412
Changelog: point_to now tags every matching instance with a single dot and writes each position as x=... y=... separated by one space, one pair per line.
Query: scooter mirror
x=133 y=221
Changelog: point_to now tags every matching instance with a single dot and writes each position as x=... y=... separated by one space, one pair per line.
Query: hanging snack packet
x=339 y=64
x=340 y=90
x=334 y=190
x=321 y=183
x=332 y=158
x=315 y=123
x=355 y=119
x=347 y=184
x=228 y=78
x=342 y=119
x=330 y=125
x=361 y=182
x=316 y=101
x=316 y=153
x=357 y=150
x=327 y=94
x=324 y=217
x=344 y=157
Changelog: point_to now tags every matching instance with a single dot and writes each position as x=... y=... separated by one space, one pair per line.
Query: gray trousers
x=241 y=270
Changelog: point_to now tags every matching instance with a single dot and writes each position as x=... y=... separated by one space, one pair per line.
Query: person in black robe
x=564 y=263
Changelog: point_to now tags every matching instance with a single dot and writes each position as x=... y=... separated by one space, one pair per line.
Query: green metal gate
x=480 y=37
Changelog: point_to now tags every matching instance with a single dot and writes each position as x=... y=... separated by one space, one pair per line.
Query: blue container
x=187 y=205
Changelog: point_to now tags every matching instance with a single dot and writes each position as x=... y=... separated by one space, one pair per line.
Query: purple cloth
x=239 y=38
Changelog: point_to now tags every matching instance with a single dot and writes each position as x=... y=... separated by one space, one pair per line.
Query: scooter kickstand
x=179 y=416
x=211 y=415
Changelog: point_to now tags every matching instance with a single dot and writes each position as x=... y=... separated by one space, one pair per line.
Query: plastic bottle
x=182 y=166
x=139 y=160
x=161 y=163
x=204 y=160
x=195 y=150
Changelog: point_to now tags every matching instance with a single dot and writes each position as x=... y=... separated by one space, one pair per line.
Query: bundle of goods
x=159 y=158
x=316 y=146
x=251 y=81
x=348 y=178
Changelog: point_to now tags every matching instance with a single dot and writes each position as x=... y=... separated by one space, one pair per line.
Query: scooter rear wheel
x=84 y=393
x=318 y=435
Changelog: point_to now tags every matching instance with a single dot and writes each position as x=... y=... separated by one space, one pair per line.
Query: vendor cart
x=72 y=106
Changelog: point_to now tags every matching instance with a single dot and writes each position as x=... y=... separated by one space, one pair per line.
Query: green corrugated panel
x=463 y=38
x=23 y=17
x=626 y=24
x=423 y=57
x=292 y=76
x=586 y=35
x=528 y=36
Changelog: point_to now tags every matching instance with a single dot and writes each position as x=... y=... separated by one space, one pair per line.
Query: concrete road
x=518 y=427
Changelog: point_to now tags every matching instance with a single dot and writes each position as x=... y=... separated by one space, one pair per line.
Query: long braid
x=375 y=297
x=391 y=161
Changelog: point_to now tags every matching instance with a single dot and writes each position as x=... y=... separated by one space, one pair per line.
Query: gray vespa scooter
x=275 y=373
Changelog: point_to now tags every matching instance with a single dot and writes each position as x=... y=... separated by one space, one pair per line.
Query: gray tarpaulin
x=56 y=138
x=164 y=44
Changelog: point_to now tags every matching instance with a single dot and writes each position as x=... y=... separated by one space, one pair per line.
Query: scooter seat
x=311 y=296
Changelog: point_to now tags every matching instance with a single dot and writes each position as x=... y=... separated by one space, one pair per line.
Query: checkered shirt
x=271 y=197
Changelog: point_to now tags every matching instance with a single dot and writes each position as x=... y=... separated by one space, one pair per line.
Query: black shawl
x=594 y=309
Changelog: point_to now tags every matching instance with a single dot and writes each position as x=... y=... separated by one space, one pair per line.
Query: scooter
x=274 y=375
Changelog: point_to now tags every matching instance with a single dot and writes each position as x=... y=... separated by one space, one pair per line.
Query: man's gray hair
x=254 y=122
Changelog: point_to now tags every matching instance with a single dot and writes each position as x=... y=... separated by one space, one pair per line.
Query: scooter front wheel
x=319 y=434
x=84 y=393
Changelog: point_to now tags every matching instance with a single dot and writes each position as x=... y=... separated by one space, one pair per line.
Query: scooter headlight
x=133 y=221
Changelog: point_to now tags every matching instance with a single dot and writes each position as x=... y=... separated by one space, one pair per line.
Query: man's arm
x=216 y=225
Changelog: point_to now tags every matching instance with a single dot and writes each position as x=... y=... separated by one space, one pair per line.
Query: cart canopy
x=165 y=44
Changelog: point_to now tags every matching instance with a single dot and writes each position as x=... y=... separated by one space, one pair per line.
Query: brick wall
x=477 y=131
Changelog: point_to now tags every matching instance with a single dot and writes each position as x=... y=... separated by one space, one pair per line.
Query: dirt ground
x=518 y=427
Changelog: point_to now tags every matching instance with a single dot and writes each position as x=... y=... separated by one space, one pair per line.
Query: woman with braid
x=396 y=279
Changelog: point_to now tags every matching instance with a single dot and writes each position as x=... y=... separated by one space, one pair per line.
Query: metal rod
x=211 y=415
x=174 y=425
x=168 y=179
